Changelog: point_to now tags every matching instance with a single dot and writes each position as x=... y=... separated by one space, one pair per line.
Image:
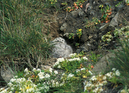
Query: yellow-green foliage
x=107 y=37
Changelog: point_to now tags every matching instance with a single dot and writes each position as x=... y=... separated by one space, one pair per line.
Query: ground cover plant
x=72 y=79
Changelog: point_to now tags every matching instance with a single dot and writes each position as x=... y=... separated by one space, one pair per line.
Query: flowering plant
x=106 y=12
x=79 y=33
x=76 y=5
x=96 y=83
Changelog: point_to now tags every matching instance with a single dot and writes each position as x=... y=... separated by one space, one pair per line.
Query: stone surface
x=103 y=64
x=78 y=12
x=114 y=21
x=7 y=73
x=63 y=27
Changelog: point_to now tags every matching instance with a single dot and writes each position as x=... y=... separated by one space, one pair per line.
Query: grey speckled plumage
x=61 y=48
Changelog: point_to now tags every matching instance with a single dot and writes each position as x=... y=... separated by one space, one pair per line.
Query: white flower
x=104 y=82
x=47 y=76
x=60 y=59
x=70 y=75
x=117 y=73
x=84 y=83
x=90 y=72
x=10 y=84
x=41 y=75
x=59 y=66
x=56 y=72
x=70 y=60
x=12 y=80
x=83 y=69
x=100 y=89
x=78 y=59
x=88 y=84
x=55 y=64
x=77 y=70
x=57 y=84
x=93 y=78
x=108 y=40
x=4 y=91
x=26 y=70
x=61 y=84
x=84 y=88
x=100 y=75
x=23 y=79
x=71 y=55
x=95 y=90
x=104 y=77
x=1 y=89
x=85 y=58
x=34 y=69
x=30 y=90
x=113 y=69
x=109 y=74
x=101 y=84
x=50 y=69
x=74 y=59
x=19 y=80
x=39 y=70
x=16 y=76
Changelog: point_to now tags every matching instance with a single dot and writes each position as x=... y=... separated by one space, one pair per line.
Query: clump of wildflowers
x=96 y=83
x=70 y=64
x=21 y=85
x=35 y=81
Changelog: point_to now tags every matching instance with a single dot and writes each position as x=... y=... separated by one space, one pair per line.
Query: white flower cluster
x=54 y=83
x=83 y=69
x=25 y=85
x=73 y=55
x=53 y=71
x=58 y=62
x=70 y=75
x=67 y=76
x=22 y=85
x=42 y=75
x=73 y=58
x=78 y=70
x=96 y=83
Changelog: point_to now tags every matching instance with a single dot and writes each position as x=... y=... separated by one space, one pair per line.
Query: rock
x=7 y=73
x=45 y=67
x=63 y=27
x=103 y=27
x=104 y=63
x=61 y=49
x=76 y=13
x=66 y=35
x=114 y=22
x=2 y=81
x=85 y=47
